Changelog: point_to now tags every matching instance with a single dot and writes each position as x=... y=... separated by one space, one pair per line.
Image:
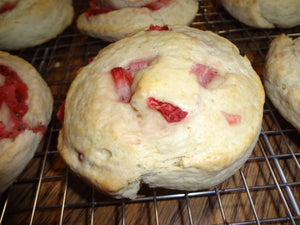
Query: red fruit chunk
x=136 y=66
x=3 y=132
x=170 y=112
x=80 y=156
x=232 y=119
x=204 y=74
x=159 y=28
x=40 y=128
x=7 y=6
x=95 y=10
x=2 y=126
x=91 y=59
x=156 y=5
x=123 y=80
x=61 y=112
x=14 y=94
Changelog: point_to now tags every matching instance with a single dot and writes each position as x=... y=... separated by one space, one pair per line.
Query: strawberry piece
x=2 y=130
x=170 y=112
x=15 y=97
x=80 y=156
x=61 y=112
x=156 y=5
x=95 y=10
x=139 y=65
x=158 y=28
x=232 y=119
x=123 y=80
x=91 y=59
x=14 y=94
x=204 y=74
x=39 y=128
x=7 y=6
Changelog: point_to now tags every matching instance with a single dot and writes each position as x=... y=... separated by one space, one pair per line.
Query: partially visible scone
x=168 y=108
x=282 y=77
x=25 y=111
x=265 y=13
x=29 y=23
x=119 y=4
x=112 y=25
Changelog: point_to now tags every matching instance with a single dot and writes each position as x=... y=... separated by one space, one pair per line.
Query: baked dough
x=187 y=124
x=33 y=22
x=117 y=24
x=265 y=13
x=25 y=111
x=282 y=77
x=119 y=4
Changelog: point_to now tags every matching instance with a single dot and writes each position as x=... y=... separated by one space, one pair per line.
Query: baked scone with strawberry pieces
x=29 y=23
x=265 y=13
x=25 y=111
x=166 y=107
x=119 y=4
x=282 y=77
x=114 y=24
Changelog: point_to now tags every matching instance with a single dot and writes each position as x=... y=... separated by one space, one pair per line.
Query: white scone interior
x=33 y=22
x=116 y=145
x=265 y=13
x=17 y=151
x=282 y=77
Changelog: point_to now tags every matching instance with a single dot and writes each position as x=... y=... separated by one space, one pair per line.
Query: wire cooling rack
x=266 y=190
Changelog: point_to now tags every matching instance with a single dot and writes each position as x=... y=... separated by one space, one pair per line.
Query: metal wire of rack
x=266 y=190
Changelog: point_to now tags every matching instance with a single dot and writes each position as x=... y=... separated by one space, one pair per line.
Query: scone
x=119 y=4
x=111 y=25
x=25 y=111
x=282 y=77
x=168 y=108
x=29 y=23
x=265 y=13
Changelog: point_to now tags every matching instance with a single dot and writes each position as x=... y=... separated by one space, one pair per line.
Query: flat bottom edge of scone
x=136 y=188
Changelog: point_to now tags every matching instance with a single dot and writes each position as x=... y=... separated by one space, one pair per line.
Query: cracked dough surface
x=117 y=145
